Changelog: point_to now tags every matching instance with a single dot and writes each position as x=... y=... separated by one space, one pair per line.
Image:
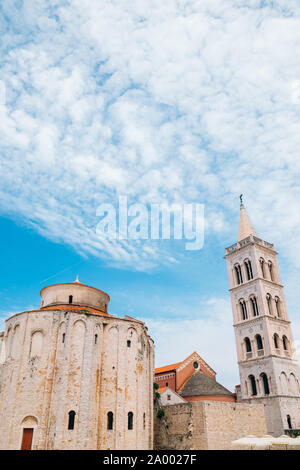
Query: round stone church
x=72 y=376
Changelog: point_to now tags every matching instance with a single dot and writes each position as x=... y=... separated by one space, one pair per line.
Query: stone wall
x=276 y=411
x=207 y=425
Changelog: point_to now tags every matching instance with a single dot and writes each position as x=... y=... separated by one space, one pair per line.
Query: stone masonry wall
x=207 y=425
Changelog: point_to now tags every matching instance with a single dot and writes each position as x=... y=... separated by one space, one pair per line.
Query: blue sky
x=165 y=102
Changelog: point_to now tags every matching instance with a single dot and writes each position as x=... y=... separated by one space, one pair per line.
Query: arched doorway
x=28 y=426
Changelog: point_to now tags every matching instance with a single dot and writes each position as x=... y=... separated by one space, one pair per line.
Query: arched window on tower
x=70 y=299
x=259 y=343
x=238 y=272
x=248 y=267
x=253 y=384
x=276 y=340
x=254 y=306
x=285 y=343
x=262 y=267
x=269 y=303
x=130 y=420
x=278 y=307
x=248 y=344
x=110 y=420
x=243 y=309
x=270 y=265
x=289 y=422
x=71 y=422
x=248 y=347
x=265 y=383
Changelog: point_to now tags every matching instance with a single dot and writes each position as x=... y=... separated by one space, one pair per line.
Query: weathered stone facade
x=57 y=360
x=207 y=425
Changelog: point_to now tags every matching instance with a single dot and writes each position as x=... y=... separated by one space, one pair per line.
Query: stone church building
x=191 y=379
x=72 y=376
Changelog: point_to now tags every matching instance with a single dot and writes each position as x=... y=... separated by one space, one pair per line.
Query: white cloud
x=162 y=101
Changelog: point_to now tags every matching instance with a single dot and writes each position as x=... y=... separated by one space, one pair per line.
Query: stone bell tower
x=269 y=370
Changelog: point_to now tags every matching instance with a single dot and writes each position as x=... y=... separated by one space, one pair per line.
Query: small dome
x=74 y=293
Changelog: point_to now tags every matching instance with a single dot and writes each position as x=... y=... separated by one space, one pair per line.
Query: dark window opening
x=195 y=365
x=110 y=420
x=130 y=420
x=243 y=310
x=128 y=343
x=277 y=303
x=248 y=345
x=71 y=419
x=284 y=341
x=254 y=306
x=259 y=342
x=96 y=339
x=70 y=299
x=288 y=418
x=249 y=269
x=265 y=383
x=238 y=273
x=63 y=337
x=276 y=341
x=253 y=385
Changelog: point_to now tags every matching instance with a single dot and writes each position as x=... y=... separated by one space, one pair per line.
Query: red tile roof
x=172 y=367
x=169 y=368
x=76 y=308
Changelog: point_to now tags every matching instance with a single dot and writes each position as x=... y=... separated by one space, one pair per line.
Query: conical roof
x=200 y=384
x=245 y=228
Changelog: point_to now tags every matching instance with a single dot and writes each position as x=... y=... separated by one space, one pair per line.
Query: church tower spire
x=245 y=228
x=269 y=370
